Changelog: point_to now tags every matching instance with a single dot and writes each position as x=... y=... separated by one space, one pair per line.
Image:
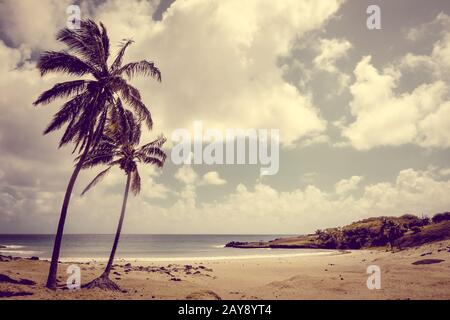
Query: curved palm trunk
x=119 y=229
x=51 y=280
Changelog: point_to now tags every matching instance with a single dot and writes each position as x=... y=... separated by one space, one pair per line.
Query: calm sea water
x=147 y=247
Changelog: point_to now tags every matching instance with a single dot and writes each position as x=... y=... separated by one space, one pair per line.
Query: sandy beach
x=338 y=275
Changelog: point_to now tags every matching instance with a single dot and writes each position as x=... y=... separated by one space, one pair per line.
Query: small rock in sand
x=5 y=279
x=427 y=261
x=204 y=295
x=7 y=294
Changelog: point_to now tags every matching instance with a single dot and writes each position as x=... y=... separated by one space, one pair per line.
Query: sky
x=363 y=115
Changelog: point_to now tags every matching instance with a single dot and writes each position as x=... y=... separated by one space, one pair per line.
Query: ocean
x=142 y=247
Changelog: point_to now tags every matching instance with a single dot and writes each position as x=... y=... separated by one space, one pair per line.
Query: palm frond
x=118 y=60
x=135 y=182
x=119 y=124
x=98 y=132
x=135 y=134
x=67 y=113
x=96 y=180
x=151 y=151
x=62 y=90
x=53 y=61
x=133 y=91
x=158 y=142
x=152 y=160
x=143 y=67
x=82 y=123
x=71 y=134
x=105 y=41
x=98 y=158
x=138 y=106
x=86 y=41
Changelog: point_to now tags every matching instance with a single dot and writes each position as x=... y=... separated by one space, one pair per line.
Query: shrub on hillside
x=439 y=217
x=409 y=221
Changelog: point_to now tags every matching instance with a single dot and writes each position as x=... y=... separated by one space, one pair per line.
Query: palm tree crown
x=119 y=147
x=90 y=99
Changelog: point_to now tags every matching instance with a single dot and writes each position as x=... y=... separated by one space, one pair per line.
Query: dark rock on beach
x=8 y=294
x=6 y=279
x=203 y=295
x=427 y=261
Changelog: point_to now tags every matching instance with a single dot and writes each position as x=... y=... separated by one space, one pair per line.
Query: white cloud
x=212 y=178
x=438 y=25
x=386 y=118
x=32 y=24
x=150 y=187
x=438 y=60
x=186 y=175
x=331 y=50
x=444 y=172
x=344 y=186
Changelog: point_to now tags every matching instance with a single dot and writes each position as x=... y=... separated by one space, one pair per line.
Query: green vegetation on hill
x=405 y=231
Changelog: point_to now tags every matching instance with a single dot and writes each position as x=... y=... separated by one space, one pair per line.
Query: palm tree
x=90 y=99
x=119 y=147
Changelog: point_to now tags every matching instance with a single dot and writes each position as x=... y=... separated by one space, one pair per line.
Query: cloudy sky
x=364 y=115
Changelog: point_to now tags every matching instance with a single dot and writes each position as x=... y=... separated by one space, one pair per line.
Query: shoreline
x=206 y=258
x=322 y=252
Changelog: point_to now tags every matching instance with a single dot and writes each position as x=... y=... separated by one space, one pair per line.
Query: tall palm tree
x=90 y=99
x=119 y=147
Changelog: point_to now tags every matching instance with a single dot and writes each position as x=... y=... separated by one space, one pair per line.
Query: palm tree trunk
x=51 y=280
x=119 y=229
